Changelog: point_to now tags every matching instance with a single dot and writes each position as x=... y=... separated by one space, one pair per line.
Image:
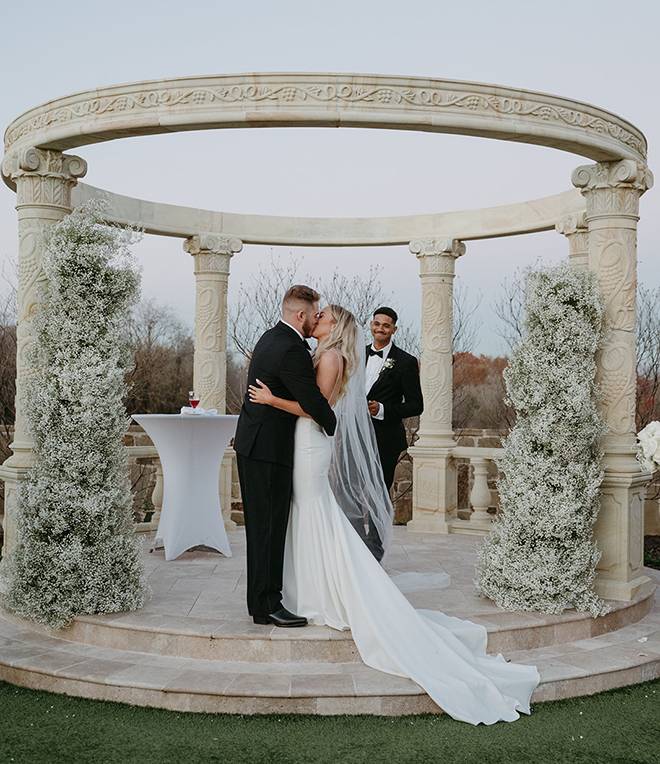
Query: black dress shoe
x=281 y=617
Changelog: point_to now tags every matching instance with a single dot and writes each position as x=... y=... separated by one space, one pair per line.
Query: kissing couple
x=313 y=491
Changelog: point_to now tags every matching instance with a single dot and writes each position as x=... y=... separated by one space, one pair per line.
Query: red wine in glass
x=193 y=397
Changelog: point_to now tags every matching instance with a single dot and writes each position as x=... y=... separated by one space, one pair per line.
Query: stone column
x=612 y=191
x=434 y=472
x=574 y=228
x=44 y=180
x=212 y=254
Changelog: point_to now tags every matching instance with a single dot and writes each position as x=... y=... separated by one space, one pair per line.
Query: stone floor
x=193 y=646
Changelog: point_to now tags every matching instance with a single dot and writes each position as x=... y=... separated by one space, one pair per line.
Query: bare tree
x=466 y=325
x=508 y=307
x=8 y=317
x=163 y=353
x=648 y=356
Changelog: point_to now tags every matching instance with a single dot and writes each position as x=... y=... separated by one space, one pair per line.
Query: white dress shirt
x=374 y=366
x=294 y=329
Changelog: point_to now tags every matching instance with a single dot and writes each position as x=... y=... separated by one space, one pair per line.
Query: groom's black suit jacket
x=398 y=389
x=282 y=361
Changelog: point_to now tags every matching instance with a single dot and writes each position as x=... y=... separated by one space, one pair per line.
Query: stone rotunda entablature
x=598 y=217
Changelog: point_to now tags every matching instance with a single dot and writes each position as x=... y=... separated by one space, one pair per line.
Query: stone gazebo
x=598 y=218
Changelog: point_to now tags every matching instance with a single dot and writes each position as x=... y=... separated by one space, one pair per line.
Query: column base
x=12 y=477
x=434 y=489
x=624 y=590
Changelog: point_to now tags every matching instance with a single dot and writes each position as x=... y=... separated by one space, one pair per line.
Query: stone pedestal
x=612 y=191
x=43 y=197
x=434 y=473
x=212 y=254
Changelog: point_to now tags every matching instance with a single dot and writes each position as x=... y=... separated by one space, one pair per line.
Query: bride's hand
x=261 y=394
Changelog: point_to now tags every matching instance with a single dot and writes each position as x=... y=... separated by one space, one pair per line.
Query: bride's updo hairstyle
x=343 y=340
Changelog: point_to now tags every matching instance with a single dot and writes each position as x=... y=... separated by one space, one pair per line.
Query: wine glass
x=193 y=397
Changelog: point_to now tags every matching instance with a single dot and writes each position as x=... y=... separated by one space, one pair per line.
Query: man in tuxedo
x=393 y=393
x=264 y=446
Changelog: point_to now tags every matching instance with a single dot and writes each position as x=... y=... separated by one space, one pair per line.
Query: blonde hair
x=343 y=340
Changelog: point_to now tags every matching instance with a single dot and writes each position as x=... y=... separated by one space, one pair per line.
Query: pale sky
x=598 y=51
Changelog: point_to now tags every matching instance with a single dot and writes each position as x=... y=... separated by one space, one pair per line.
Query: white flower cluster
x=541 y=555
x=78 y=552
x=648 y=448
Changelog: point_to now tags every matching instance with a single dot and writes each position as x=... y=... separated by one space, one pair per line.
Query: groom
x=264 y=447
x=393 y=393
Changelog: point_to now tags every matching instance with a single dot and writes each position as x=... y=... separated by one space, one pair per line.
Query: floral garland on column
x=540 y=554
x=78 y=552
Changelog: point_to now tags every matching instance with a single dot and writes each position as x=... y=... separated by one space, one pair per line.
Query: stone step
x=238 y=639
x=32 y=658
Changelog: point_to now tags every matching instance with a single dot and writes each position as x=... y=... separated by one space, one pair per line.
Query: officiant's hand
x=261 y=394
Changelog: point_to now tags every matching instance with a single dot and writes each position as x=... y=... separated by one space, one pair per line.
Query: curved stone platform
x=193 y=646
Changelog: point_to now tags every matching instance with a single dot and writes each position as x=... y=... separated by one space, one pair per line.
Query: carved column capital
x=575 y=228
x=42 y=177
x=437 y=256
x=212 y=252
x=613 y=188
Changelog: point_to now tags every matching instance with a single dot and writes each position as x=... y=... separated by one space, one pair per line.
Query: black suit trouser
x=266 y=490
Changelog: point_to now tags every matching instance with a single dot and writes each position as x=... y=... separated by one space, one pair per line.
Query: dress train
x=331 y=578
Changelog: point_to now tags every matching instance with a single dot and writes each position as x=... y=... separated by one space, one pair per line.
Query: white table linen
x=190 y=450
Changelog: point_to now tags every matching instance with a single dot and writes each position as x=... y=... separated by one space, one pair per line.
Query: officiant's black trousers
x=266 y=489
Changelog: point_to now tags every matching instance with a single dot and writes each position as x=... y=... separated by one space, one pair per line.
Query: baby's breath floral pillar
x=212 y=254
x=612 y=191
x=434 y=473
x=43 y=181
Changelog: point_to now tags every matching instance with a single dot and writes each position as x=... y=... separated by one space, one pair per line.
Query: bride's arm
x=327 y=374
x=262 y=394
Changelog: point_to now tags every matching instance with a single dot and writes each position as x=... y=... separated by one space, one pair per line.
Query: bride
x=331 y=577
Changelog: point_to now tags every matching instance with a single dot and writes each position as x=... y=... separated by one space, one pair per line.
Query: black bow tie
x=371 y=352
x=306 y=344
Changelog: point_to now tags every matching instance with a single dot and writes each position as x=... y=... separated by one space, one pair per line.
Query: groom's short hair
x=298 y=294
x=389 y=312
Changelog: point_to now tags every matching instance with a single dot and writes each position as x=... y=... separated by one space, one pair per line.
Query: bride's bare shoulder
x=330 y=360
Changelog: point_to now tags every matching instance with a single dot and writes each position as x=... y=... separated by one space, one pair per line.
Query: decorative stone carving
x=574 y=228
x=434 y=473
x=612 y=191
x=265 y=99
x=436 y=264
x=212 y=254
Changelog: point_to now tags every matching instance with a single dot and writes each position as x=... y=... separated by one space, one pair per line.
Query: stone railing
x=480 y=473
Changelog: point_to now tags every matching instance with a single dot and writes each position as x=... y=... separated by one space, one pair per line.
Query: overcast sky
x=599 y=51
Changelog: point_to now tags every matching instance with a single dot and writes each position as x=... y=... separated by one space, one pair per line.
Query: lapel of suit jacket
x=385 y=370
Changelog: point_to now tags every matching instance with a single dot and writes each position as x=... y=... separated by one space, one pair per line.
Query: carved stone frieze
x=201 y=99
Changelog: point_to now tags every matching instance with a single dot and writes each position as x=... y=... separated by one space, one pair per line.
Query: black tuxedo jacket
x=282 y=361
x=399 y=390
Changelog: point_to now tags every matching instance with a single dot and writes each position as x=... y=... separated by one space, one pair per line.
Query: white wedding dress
x=331 y=578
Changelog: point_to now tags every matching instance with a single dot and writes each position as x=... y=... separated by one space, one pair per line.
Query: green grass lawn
x=621 y=726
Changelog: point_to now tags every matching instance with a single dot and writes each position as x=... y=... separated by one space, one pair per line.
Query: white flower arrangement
x=540 y=554
x=388 y=364
x=77 y=551
x=648 y=448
